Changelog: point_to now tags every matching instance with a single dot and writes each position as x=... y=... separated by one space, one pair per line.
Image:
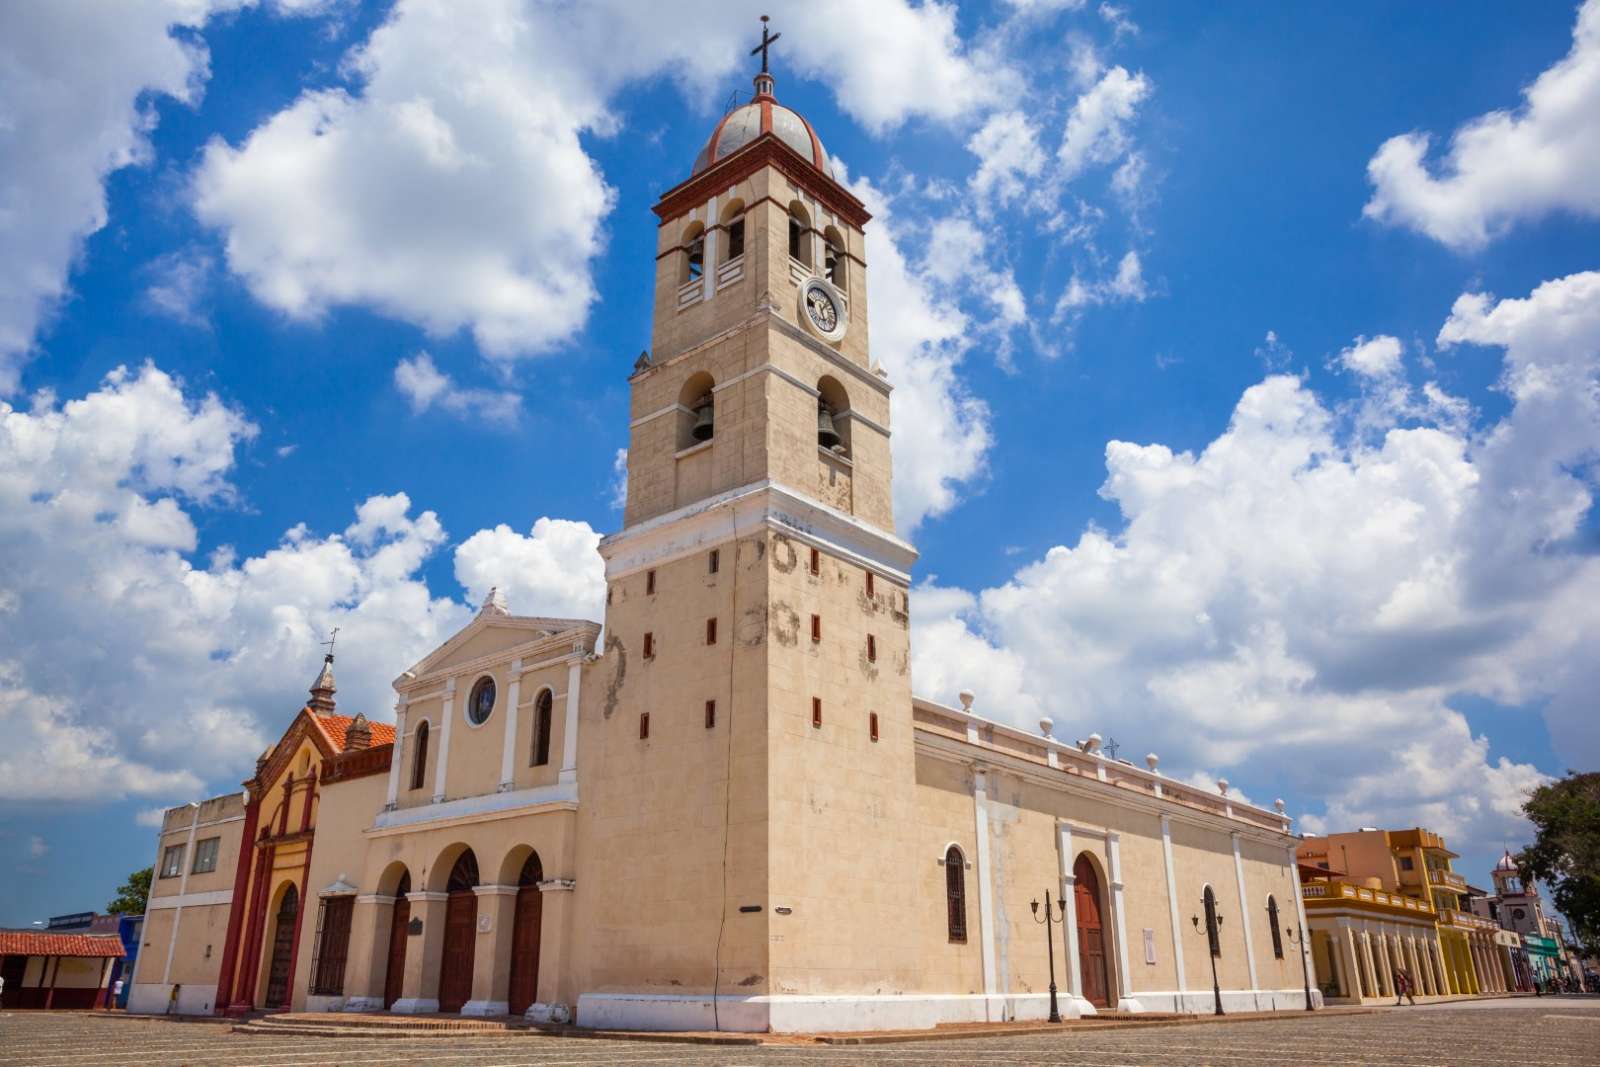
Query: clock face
x=820 y=306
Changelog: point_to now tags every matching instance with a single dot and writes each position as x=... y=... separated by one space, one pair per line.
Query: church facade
x=725 y=808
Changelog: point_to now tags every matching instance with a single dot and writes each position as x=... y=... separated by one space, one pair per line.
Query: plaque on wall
x=414 y=927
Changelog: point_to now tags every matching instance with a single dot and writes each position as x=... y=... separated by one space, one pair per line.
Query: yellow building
x=732 y=813
x=1405 y=873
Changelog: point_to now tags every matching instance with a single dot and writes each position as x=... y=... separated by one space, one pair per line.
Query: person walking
x=1402 y=986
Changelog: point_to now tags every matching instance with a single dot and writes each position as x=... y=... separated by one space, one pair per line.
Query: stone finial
x=494 y=603
x=1151 y=760
x=1046 y=724
x=1091 y=744
x=1280 y=805
x=323 y=688
x=966 y=696
x=357 y=735
x=1222 y=786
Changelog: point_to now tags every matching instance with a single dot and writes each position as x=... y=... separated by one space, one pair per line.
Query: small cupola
x=358 y=734
x=322 y=689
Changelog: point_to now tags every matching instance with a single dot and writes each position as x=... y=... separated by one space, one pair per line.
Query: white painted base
x=1202 y=1002
x=814 y=1014
x=322 y=1003
x=485 y=1007
x=415 y=1006
x=155 y=998
x=540 y=1012
x=363 y=1004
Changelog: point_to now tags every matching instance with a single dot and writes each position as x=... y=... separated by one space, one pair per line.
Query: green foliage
x=1566 y=853
x=133 y=894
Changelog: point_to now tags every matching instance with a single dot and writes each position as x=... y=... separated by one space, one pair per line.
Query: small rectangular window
x=711 y=714
x=816 y=712
x=816 y=561
x=172 y=861
x=644 y=726
x=816 y=627
x=650 y=583
x=711 y=631
x=714 y=561
x=649 y=646
x=1405 y=863
x=205 y=855
x=872 y=649
x=872 y=724
x=869 y=583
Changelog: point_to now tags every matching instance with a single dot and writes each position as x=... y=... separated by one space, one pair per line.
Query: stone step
x=370 y=1032
x=385 y=1021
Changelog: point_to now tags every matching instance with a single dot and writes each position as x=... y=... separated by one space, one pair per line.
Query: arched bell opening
x=833 y=417
x=799 y=234
x=733 y=226
x=693 y=263
x=833 y=258
x=697 y=411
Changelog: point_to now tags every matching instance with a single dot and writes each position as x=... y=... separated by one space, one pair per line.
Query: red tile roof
x=336 y=725
x=38 y=943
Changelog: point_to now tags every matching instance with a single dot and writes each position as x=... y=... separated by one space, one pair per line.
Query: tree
x=1566 y=851
x=132 y=894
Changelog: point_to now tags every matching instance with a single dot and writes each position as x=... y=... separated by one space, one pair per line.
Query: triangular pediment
x=492 y=634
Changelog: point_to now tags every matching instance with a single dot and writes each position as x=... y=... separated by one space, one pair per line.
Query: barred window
x=955 y=893
x=333 y=946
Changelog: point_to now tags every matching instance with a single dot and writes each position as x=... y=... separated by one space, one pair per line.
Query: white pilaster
x=980 y=815
x=569 y=732
x=1172 y=902
x=1244 y=912
x=183 y=888
x=509 y=748
x=1300 y=911
x=1120 y=908
x=708 y=262
x=1069 y=893
x=449 y=717
x=397 y=755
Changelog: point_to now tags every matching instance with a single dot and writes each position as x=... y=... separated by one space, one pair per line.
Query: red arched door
x=525 y=937
x=282 y=950
x=394 y=976
x=460 y=934
x=1091 y=934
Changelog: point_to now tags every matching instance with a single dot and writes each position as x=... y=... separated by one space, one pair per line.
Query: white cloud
x=1096 y=131
x=490 y=212
x=619 y=479
x=1377 y=358
x=154 y=818
x=1010 y=160
x=1127 y=284
x=178 y=286
x=1504 y=166
x=555 y=570
x=941 y=431
x=424 y=385
x=1294 y=595
x=959 y=254
x=75 y=105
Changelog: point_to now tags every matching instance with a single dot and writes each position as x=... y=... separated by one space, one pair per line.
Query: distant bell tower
x=756 y=731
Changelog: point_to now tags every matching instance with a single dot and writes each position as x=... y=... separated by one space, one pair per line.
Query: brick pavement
x=1547 y=1032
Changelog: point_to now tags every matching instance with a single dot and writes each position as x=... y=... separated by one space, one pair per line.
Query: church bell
x=827 y=436
x=704 y=423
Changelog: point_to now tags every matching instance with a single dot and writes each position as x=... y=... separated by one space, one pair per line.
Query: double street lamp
x=1050 y=917
x=1305 y=949
x=1212 y=929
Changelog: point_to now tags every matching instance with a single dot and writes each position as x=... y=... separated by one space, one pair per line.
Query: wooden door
x=282 y=950
x=1091 y=934
x=460 y=936
x=394 y=977
x=12 y=970
x=525 y=949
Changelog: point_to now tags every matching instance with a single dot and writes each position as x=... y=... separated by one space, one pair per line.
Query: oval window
x=482 y=703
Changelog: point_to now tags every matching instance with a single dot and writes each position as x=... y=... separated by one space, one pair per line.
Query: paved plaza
x=1547 y=1032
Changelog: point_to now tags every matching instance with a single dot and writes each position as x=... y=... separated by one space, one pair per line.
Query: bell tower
x=753 y=767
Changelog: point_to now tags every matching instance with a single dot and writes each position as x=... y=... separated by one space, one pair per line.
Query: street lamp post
x=1305 y=972
x=1211 y=933
x=1050 y=945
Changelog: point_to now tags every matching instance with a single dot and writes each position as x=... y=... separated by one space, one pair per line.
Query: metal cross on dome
x=332 y=637
x=766 y=43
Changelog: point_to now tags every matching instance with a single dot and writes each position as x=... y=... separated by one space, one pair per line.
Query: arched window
x=1211 y=922
x=697 y=410
x=799 y=234
x=733 y=222
x=833 y=257
x=833 y=422
x=955 y=894
x=419 y=757
x=1277 y=934
x=464 y=875
x=542 y=709
x=694 y=254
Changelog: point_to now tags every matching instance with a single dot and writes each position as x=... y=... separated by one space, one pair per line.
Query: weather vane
x=766 y=43
x=332 y=637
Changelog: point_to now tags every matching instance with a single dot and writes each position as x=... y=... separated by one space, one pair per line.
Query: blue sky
x=1233 y=420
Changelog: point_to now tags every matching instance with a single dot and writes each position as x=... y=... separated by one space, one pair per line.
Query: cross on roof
x=332 y=637
x=766 y=43
x=1111 y=747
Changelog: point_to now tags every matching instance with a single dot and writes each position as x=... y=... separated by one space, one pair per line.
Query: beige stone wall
x=340 y=852
x=674 y=827
x=202 y=933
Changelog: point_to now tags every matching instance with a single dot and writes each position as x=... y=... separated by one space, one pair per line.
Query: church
x=723 y=807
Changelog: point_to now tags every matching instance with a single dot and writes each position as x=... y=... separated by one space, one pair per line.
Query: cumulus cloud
x=1126 y=284
x=1505 y=166
x=1298 y=594
x=424 y=385
x=1096 y=131
x=1377 y=358
x=958 y=255
x=1009 y=160
x=555 y=569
